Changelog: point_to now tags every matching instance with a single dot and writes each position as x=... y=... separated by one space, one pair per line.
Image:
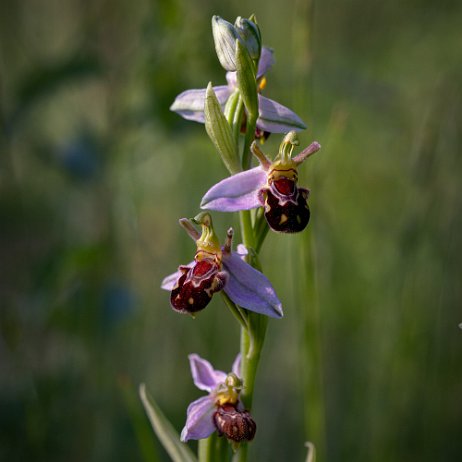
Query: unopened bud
x=250 y=34
x=225 y=36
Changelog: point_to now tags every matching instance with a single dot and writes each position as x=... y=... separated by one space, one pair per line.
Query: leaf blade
x=178 y=451
x=219 y=131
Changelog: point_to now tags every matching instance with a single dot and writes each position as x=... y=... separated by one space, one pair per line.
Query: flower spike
x=272 y=185
x=215 y=269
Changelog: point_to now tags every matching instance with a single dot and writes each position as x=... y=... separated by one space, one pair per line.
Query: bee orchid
x=218 y=268
x=221 y=410
x=272 y=185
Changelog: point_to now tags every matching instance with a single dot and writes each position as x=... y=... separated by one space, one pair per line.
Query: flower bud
x=236 y=425
x=250 y=34
x=225 y=36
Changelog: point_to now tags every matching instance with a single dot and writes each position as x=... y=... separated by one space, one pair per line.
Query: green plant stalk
x=205 y=449
x=261 y=229
x=252 y=341
x=212 y=449
x=249 y=137
x=252 y=338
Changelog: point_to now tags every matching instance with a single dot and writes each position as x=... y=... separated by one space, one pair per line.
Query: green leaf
x=178 y=451
x=246 y=81
x=219 y=131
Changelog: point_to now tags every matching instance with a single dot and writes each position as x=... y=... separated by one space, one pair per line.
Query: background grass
x=95 y=172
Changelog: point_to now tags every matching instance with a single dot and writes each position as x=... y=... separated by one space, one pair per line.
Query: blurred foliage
x=95 y=172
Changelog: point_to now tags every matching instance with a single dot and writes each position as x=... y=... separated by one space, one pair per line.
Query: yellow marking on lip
x=283 y=170
x=277 y=173
x=283 y=219
x=203 y=254
x=190 y=300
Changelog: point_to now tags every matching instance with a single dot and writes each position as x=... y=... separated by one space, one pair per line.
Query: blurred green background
x=95 y=172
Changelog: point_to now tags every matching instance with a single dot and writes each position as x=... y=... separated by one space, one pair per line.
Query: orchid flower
x=214 y=269
x=221 y=410
x=273 y=117
x=272 y=185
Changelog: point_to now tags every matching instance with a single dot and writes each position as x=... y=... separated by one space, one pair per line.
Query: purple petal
x=170 y=280
x=238 y=192
x=266 y=61
x=249 y=288
x=199 y=419
x=190 y=103
x=237 y=365
x=205 y=377
x=231 y=78
x=276 y=118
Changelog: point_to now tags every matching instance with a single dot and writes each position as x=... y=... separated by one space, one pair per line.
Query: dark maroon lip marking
x=235 y=424
x=196 y=285
x=286 y=206
x=285 y=186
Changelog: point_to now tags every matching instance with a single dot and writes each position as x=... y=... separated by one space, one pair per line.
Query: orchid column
x=236 y=117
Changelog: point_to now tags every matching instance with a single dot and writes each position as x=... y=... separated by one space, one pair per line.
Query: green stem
x=261 y=229
x=205 y=449
x=212 y=449
x=247 y=233
x=241 y=454
x=249 y=137
x=252 y=338
x=251 y=346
